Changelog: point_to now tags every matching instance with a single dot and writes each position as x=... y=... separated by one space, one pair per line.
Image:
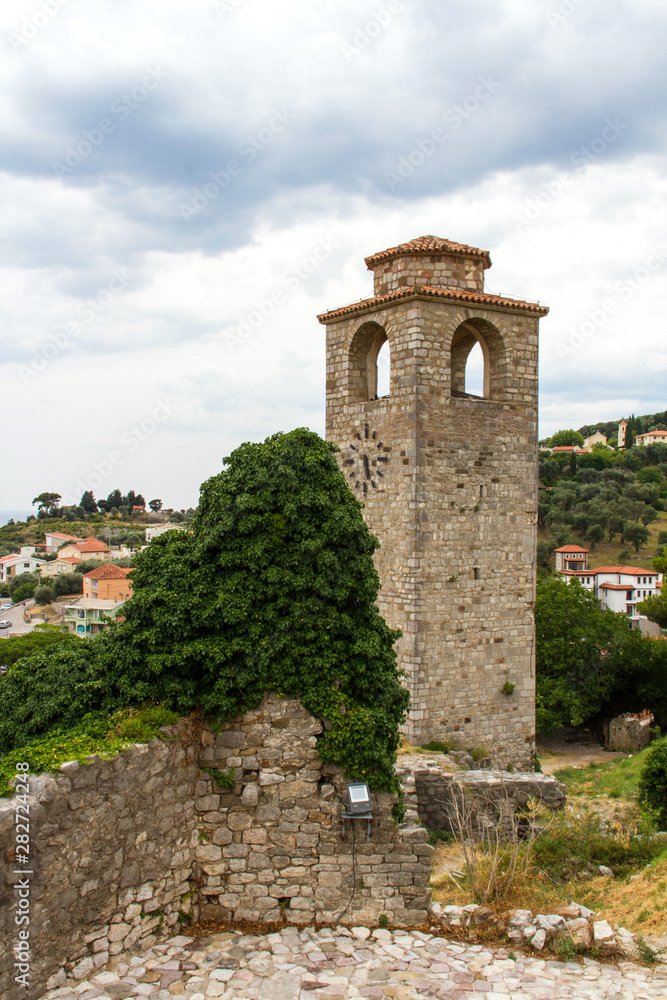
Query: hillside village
x=602 y=516
x=78 y=582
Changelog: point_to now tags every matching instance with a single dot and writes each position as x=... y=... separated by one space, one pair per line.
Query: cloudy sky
x=185 y=185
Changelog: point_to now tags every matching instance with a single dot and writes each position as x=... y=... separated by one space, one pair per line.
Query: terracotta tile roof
x=428 y=245
x=59 y=534
x=92 y=545
x=628 y=570
x=571 y=548
x=426 y=291
x=616 y=586
x=108 y=573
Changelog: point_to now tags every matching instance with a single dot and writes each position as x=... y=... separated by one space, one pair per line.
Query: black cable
x=354 y=874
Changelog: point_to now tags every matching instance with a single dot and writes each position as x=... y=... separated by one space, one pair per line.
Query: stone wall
x=439 y=797
x=112 y=850
x=273 y=846
x=434 y=270
x=121 y=847
x=628 y=732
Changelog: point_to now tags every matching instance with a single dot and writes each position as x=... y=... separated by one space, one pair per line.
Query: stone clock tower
x=449 y=483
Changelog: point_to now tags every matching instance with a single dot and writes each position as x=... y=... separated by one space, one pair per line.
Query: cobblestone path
x=342 y=964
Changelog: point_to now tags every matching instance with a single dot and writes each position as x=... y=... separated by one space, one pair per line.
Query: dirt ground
x=572 y=748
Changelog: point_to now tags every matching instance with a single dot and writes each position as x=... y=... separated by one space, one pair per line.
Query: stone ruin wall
x=122 y=847
x=440 y=796
x=273 y=847
x=628 y=732
x=112 y=848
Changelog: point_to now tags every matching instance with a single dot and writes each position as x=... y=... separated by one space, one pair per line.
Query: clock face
x=364 y=466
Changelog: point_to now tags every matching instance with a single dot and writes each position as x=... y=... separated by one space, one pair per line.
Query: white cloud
x=539 y=148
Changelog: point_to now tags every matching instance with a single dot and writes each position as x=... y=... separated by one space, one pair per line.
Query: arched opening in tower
x=474 y=374
x=383 y=370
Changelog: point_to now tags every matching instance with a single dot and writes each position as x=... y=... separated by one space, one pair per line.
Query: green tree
x=630 y=433
x=68 y=583
x=565 y=438
x=587 y=656
x=41 y=638
x=44 y=595
x=655 y=609
x=594 y=534
x=544 y=552
x=88 y=502
x=659 y=561
x=155 y=505
x=22 y=582
x=274 y=590
x=47 y=501
x=114 y=500
x=653 y=781
x=636 y=534
x=651 y=475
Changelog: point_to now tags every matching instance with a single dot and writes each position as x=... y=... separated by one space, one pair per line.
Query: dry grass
x=638 y=903
x=636 y=900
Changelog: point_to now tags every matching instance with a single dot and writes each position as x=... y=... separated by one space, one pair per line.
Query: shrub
x=24 y=582
x=93 y=733
x=653 y=781
x=563 y=850
x=439 y=746
x=44 y=595
x=68 y=583
x=42 y=637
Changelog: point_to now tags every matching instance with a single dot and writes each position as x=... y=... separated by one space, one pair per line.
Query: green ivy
x=95 y=734
x=274 y=590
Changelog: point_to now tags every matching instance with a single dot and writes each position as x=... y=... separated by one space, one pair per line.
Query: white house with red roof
x=651 y=437
x=570 y=557
x=621 y=589
x=17 y=563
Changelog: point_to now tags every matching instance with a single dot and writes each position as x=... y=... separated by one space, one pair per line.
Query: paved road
x=15 y=616
x=348 y=965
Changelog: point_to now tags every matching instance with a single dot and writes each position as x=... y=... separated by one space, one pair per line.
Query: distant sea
x=17 y=515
